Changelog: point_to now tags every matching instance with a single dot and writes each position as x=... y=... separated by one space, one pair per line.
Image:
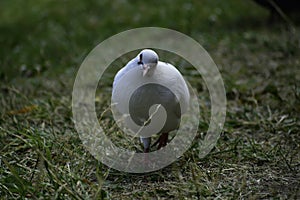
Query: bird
x=162 y=84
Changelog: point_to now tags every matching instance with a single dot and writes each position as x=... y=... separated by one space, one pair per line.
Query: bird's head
x=148 y=60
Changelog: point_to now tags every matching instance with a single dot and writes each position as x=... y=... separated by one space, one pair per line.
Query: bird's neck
x=151 y=71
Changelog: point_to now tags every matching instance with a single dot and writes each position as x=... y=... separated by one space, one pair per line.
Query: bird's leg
x=163 y=139
x=146 y=150
x=146 y=143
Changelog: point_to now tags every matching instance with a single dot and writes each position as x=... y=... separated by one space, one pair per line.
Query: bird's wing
x=131 y=64
x=170 y=76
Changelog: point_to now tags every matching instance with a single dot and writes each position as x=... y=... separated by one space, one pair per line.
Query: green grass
x=42 y=46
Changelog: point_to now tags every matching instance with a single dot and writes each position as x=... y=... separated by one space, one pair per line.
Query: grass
x=42 y=46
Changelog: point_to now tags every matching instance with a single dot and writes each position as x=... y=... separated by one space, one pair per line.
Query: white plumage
x=143 y=82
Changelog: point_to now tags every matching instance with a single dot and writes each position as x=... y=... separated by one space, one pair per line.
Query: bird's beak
x=145 y=69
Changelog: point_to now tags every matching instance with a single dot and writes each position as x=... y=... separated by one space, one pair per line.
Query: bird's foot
x=146 y=150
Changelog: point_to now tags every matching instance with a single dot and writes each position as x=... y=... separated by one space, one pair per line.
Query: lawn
x=43 y=44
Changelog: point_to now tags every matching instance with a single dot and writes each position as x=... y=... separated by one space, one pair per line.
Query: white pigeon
x=171 y=92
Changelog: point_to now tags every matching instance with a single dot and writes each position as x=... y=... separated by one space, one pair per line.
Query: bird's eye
x=141 y=58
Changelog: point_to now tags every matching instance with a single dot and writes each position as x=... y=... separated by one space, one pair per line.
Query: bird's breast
x=150 y=94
